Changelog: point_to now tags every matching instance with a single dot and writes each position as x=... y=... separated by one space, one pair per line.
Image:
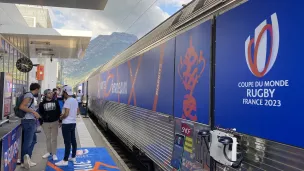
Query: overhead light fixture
x=48 y=54
x=40 y=43
x=44 y=49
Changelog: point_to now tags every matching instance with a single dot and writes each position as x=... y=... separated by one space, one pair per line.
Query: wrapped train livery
x=217 y=86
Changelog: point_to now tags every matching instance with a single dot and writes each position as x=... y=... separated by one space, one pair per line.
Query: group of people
x=51 y=117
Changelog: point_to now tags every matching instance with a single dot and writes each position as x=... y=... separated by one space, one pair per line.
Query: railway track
x=134 y=160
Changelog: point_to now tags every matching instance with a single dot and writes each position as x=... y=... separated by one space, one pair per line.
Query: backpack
x=18 y=112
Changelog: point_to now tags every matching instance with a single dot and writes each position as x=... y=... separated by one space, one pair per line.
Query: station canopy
x=83 y=4
x=49 y=42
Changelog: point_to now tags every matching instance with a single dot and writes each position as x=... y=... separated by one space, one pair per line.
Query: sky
x=118 y=16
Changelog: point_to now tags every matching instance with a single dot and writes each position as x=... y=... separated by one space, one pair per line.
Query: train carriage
x=214 y=65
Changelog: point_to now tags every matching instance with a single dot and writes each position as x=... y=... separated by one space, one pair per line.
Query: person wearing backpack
x=50 y=112
x=29 y=115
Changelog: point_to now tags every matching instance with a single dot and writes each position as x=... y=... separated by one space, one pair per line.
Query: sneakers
x=46 y=155
x=27 y=161
x=65 y=163
x=62 y=163
x=72 y=159
x=55 y=158
x=32 y=164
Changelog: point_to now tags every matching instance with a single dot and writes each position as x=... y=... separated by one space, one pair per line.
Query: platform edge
x=121 y=162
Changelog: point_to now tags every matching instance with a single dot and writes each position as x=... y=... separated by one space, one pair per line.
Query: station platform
x=94 y=152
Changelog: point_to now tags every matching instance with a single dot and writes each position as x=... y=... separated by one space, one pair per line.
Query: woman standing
x=50 y=112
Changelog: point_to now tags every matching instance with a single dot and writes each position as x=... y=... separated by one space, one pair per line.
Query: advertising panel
x=259 y=80
x=192 y=74
x=145 y=81
x=8 y=86
x=10 y=149
x=189 y=151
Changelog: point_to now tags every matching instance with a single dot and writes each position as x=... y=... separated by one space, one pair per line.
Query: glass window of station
x=13 y=48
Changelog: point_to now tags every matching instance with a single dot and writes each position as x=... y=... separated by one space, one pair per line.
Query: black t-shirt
x=49 y=110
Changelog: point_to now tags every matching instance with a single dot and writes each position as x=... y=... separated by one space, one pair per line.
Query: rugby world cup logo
x=262 y=50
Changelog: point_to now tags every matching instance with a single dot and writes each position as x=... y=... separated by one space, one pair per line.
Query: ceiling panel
x=83 y=4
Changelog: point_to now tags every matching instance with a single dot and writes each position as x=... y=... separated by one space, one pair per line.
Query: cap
x=68 y=90
x=46 y=91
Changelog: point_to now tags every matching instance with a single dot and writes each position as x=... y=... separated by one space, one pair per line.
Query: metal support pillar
x=212 y=85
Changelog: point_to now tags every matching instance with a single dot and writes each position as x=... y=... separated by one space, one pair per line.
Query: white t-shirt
x=71 y=104
x=79 y=95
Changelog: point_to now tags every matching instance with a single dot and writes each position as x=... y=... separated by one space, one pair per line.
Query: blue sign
x=10 y=148
x=94 y=159
x=192 y=60
x=259 y=70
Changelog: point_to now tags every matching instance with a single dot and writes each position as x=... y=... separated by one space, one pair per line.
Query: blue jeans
x=69 y=137
x=29 y=137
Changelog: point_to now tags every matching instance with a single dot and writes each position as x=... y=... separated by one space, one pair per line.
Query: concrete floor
x=96 y=138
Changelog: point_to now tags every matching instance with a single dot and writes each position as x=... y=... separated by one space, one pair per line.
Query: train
x=228 y=65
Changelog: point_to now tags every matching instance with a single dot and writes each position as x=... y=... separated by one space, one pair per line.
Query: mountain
x=100 y=50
